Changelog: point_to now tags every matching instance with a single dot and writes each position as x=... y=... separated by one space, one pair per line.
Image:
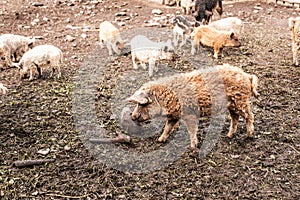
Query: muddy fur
x=187 y=97
x=211 y=37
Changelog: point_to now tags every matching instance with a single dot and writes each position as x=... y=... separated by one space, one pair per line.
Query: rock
x=83 y=35
x=37 y=4
x=258 y=8
x=70 y=38
x=67 y=148
x=120 y=14
x=121 y=23
x=153 y=24
x=43 y=151
x=157 y=12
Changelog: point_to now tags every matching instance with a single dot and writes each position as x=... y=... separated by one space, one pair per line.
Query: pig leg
x=194 y=46
x=234 y=119
x=109 y=47
x=249 y=121
x=169 y=127
x=31 y=73
x=183 y=42
x=217 y=50
x=191 y=123
x=116 y=49
x=144 y=66
x=295 y=54
x=135 y=66
x=175 y=38
x=39 y=71
x=59 y=72
x=151 y=67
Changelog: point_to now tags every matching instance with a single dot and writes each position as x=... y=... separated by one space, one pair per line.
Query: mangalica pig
x=186 y=97
x=204 y=10
x=147 y=51
x=111 y=37
x=209 y=36
x=39 y=57
x=12 y=48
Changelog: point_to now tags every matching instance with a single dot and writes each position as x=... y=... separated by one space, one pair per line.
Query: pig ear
x=197 y=24
x=208 y=13
x=231 y=35
x=140 y=97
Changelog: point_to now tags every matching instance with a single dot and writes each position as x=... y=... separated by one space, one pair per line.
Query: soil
x=39 y=115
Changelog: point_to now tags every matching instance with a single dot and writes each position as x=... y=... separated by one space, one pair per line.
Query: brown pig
x=211 y=37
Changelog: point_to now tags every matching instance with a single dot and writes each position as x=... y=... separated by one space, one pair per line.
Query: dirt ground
x=37 y=115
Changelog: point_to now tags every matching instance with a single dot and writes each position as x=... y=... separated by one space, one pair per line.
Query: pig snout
x=135 y=116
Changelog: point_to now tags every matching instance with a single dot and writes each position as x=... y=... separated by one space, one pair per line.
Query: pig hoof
x=161 y=139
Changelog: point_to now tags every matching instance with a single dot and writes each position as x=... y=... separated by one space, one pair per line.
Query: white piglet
x=39 y=57
x=146 y=51
x=111 y=37
x=12 y=48
x=232 y=24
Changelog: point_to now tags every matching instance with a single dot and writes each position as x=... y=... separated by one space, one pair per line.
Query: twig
x=121 y=138
x=26 y=163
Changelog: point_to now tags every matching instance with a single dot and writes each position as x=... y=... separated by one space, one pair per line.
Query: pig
x=204 y=10
x=147 y=51
x=40 y=56
x=185 y=97
x=111 y=37
x=294 y=26
x=182 y=28
x=12 y=48
x=232 y=24
x=187 y=5
x=211 y=37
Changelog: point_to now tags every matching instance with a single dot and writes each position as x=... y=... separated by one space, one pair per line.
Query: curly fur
x=13 y=47
x=211 y=37
x=187 y=96
x=111 y=37
x=40 y=56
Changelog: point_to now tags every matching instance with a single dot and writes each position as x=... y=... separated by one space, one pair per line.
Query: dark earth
x=37 y=115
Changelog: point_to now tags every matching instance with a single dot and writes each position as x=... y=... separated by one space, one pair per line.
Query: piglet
x=39 y=57
x=211 y=37
x=147 y=51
